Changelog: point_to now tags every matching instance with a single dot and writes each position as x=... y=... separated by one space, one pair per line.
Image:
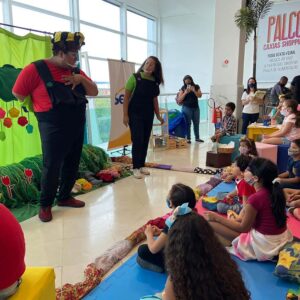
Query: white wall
x=228 y=45
x=186 y=43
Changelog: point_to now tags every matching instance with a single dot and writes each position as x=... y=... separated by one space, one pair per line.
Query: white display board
x=278 y=47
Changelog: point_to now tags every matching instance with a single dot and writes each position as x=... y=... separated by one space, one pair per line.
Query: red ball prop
x=7 y=122
x=22 y=121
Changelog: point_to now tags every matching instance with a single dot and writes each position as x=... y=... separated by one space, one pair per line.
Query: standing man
x=58 y=89
x=279 y=89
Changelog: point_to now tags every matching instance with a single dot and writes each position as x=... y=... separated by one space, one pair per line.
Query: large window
x=1 y=12
x=37 y=20
x=141 y=41
x=111 y=29
x=57 y=6
x=140 y=26
x=139 y=50
x=100 y=13
x=101 y=43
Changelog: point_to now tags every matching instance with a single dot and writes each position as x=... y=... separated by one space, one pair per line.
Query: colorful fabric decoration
x=29 y=128
x=2 y=113
x=6 y=182
x=7 y=122
x=84 y=184
x=210 y=203
x=28 y=175
x=22 y=121
x=288 y=266
x=2 y=136
x=293 y=295
x=8 y=76
x=14 y=112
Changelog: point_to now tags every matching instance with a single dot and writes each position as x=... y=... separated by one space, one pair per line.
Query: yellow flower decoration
x=14 y=112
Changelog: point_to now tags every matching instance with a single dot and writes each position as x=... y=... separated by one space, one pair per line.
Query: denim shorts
x=285 y=141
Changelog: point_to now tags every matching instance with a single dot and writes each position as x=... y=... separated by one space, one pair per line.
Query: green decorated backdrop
x=19 y=135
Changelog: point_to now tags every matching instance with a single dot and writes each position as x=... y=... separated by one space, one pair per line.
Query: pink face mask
x=243 y=150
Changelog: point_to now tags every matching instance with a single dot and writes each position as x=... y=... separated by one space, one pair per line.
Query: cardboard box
x=218 y=160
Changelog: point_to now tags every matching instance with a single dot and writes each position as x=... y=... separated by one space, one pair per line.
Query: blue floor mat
x=222 y=187
x=131 y=282
x=128 y=282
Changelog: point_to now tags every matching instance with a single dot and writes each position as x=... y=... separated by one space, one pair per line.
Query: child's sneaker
x=137 y=174
x=144 y=171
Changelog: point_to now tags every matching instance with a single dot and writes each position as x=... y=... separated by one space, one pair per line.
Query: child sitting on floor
x=247 y=147
x=291 y=178
x=236 y=199
x=150 y=255
x=292 y=197
x=262 y=232
x=290 y=129
x=228 y=124
x=198 y=265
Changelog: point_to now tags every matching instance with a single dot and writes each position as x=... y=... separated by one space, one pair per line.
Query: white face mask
x=250 y=181
x=293 y=152
x=284 y=112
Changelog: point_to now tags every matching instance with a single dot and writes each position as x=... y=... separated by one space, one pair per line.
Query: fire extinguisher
x=217 y=117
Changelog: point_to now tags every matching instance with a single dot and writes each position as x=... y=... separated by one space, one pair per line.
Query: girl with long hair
x=150 y=255
x=262 y=232
x=140 y=104
x=199 y=267
x=290 y=129
x=188 y=97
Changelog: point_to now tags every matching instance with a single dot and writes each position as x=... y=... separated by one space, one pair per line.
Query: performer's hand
x=126 y=120
x=73 y=80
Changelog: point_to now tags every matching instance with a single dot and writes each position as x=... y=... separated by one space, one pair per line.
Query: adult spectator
x=279 y=89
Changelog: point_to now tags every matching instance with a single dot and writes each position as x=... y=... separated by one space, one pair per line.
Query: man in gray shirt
x=278 y=89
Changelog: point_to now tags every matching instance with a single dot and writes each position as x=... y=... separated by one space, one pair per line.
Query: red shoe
x=71 y=202
x=45 y=214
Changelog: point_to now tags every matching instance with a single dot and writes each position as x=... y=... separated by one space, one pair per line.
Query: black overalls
x=62 y=133
x=141 y=114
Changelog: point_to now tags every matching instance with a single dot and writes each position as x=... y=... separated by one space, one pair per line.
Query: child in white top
x=290 y=129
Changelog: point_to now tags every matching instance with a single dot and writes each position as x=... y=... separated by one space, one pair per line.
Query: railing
x=99 y=116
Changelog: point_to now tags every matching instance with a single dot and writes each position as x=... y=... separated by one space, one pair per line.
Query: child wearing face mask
x=291 y=178
x=247 y=147
x=236 y=199
x=290 y=129
x=262 y=233
x=150 y=255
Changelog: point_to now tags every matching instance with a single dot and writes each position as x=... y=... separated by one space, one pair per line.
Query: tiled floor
x=76 y=237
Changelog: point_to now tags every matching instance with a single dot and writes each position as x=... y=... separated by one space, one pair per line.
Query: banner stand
x=119 y=72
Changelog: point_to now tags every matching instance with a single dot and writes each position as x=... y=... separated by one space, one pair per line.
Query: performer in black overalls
x=57 y=89
x=140 y=104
